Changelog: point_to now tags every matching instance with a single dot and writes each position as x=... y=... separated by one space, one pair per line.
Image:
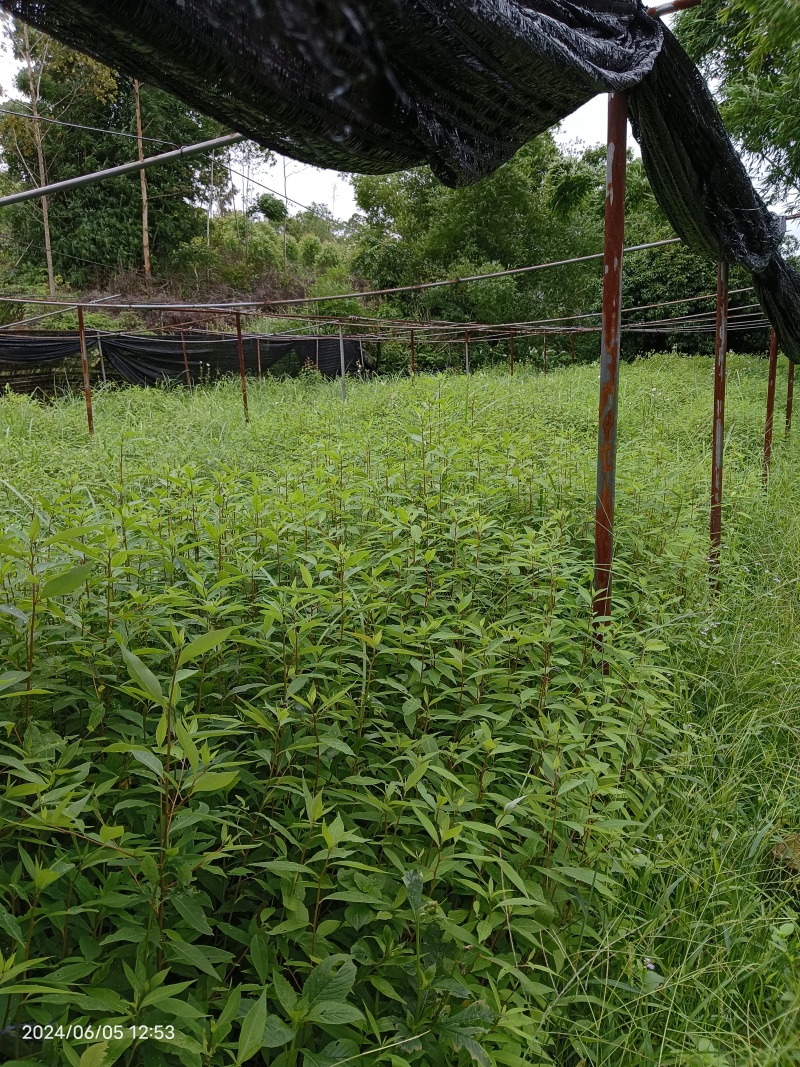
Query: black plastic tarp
x=149 y=360
x=381 y=85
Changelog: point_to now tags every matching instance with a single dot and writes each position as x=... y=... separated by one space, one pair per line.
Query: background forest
x=206 y=228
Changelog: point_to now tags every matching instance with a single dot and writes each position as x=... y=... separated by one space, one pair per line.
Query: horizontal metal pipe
x=669 y=9
x=125 y=168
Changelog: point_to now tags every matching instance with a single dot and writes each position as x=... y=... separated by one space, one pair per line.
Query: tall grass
x=308 y=753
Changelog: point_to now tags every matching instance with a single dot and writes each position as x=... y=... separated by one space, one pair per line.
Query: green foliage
x=98 y=229
x=749 y=49
x=272 y=207
x=307 y=750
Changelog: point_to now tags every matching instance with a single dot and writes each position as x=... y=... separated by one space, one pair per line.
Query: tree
x=749 y=50
x=97 y=230
x=272 y=208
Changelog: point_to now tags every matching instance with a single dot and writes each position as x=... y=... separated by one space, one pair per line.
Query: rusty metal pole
x=186 y=362
x=258 y=356
x=720 y=371
x=87 y=387
x=341 y=357
x=789 y=398
x=413 y=356
x=773 y=374
x=466 y=352
x=242 y=373
x=511 y=340
x=616 y=176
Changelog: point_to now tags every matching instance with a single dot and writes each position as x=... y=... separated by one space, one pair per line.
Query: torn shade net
x=381 y=85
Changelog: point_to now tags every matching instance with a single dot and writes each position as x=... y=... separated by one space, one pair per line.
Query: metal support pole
x=466 y=353
x=258 y=356
x=789 y=398
x=341 y=357
x=544 y=352
x=186 y=361
x=773 y=374
x=413 y=356
x=102 y=361
x=572 y=361
x=87 y=387
x=242 y=372
x=720 y=372
x=318 y=354
x=511 y=346
x=616 y=177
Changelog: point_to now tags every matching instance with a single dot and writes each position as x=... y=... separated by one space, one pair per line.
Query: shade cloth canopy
x=381 y=85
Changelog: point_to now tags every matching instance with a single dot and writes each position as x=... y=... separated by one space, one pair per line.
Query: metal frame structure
x=610 y=330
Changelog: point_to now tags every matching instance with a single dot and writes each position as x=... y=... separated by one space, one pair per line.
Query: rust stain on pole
x=720 y=370
x=511 y=347
x=616 y=176
x=413 y=356
x=773 y=374
x=87 y=387
x=789 y=398
x=186 y=362
x=242 y=372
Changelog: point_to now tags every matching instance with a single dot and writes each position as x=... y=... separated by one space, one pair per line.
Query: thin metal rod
x=341 y=358
x=125 y=168
x=258 y=356
x=511 y=348
x=466 y=353
x=670 y=8
x=789 y=398
x=242 y=372
x=544 y=352
x=87 y=387
x=102 y=361
x=413 y=356
x=186 y=361
x=718 y=444
x=773 y=375
x=616 y=177
x=572 y=360
x=421 y=286
x=318 y=353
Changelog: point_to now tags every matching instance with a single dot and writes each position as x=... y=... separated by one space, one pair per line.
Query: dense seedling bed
x=307 y=756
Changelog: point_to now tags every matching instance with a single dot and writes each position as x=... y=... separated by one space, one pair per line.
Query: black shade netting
x=22 y=349
x=381 y=85
x=149 y=361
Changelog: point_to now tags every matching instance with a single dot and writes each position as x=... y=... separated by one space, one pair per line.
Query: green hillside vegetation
x=307 y=752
